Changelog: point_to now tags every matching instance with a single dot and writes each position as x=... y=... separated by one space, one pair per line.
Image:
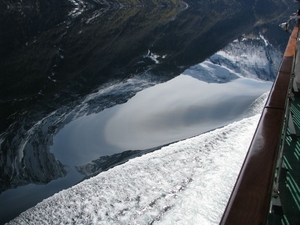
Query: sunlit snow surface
x=188 y=182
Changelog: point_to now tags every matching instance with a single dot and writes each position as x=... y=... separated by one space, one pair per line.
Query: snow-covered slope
x=187 y=182
x=245 y=57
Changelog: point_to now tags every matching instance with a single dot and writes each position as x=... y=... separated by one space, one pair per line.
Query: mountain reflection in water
x=54 y=67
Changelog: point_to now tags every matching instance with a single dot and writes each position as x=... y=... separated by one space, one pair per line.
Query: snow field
x=188 y=182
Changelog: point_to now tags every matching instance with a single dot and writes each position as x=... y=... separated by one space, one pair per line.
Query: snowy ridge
x=211 y=73
x=79 y=7
x=261 y=61
x=188 y=182
x=252 y=58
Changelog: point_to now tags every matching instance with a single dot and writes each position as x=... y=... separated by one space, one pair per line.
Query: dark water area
x=52 y=60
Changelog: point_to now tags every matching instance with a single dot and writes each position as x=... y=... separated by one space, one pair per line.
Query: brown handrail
x=250 y=199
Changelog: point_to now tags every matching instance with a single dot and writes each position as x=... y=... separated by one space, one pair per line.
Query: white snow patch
x=154 y=57
x=52 y=79
x=264 y=39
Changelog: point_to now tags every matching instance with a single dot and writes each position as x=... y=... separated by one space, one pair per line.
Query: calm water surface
x=180 y=108
x=75 y=87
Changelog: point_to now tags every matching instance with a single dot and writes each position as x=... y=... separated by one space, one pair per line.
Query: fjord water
x=83 y=90
x=177 y=184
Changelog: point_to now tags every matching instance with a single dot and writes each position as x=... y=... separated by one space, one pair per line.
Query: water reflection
x=15 y=201
x=70 y=68
x=177 y=109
